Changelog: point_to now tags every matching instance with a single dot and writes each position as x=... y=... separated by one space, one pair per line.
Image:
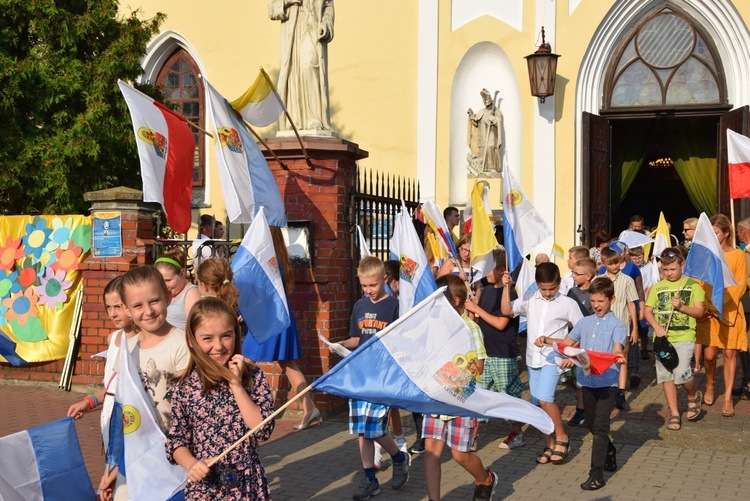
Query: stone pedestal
x=319 y=196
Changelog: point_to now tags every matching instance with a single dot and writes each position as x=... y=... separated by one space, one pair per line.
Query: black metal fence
x=375 y=203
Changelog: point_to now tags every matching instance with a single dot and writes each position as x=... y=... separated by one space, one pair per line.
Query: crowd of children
x=187 y=343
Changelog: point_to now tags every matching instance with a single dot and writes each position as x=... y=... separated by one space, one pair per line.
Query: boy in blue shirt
x=370 y=315
x=601 y=332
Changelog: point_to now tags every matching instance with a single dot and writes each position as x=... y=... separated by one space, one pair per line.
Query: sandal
x=724 y=411
x=563 y=455
x=694 y=406
x=674 y=423
x=546 y=455
x=592 y=484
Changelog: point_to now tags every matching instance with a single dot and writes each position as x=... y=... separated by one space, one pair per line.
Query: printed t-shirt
x=369 y=318
x=682 y=326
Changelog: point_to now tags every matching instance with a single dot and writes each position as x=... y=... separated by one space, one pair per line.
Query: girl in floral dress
x=219 y=399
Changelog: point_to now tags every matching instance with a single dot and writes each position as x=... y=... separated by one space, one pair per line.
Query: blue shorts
x=542 y=383
x=367 y=419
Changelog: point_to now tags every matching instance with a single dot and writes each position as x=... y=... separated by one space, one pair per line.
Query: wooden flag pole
x=299 y=139
x=263 y=142
x=731 y=211
x=258 y=427
x=198 y=127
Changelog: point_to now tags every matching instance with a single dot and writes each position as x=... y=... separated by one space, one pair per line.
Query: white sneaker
x=378 y=455
x=402 y=446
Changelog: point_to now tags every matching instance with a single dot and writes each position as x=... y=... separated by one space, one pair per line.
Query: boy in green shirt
x=672 y=306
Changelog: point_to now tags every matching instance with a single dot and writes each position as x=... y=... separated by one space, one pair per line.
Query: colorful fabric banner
x=591 y=362
x=166 y=147
x=523 y=227
x=258 y=277
x=706 y=262
x=260 y=105
x=483 y=240
x=40 y=281
x=426 y=364
x=738 y=152
x=44 y=463
x=150 y=476
x=246 y=181
x=8 y=351
x=415 y=276
x=433 y=217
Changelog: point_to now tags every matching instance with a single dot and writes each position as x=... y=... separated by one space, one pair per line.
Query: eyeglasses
x=464 y=249
x=575 y=274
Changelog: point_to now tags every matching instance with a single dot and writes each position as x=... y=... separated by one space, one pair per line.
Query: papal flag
x=149 y=474
x=260 y=105
x=166 y=148
x=426 y=363
x=483 y=240
x=246 y=181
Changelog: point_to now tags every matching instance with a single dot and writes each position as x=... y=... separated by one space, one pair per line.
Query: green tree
x=64 y=126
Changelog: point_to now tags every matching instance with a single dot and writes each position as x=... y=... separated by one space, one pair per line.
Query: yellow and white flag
x=260 y=105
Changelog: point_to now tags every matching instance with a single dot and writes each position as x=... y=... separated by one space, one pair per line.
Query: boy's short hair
x=392 y=269
x=635 y=251
x=588 y=265
x=455 y=288
x=547 y=273
x=499 y=255
x=671 y=255
x=370 y=266
x=609 y=256
x=603 y=285
x=579 y=252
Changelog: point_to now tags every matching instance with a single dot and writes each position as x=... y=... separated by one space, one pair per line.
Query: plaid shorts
x=501 y=375
x=367 y=419
x=458 y=433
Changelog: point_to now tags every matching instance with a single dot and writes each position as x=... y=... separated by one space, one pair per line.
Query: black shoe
x=620 y=401
x=578 y=419
x=593 y=483
x=417 y=447
x=610 y=462
x=635 y=381
x=485 y=492
x=644 y=355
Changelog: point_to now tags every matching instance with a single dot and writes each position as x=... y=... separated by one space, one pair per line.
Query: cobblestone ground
x=707 y=459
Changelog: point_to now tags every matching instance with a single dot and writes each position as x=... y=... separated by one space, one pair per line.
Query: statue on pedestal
x=306 y=30
x=485 y=138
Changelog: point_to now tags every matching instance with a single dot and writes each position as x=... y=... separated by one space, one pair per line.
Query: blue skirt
x=283 y=347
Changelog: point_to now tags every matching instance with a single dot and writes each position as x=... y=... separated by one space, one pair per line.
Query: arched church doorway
x=659 y=140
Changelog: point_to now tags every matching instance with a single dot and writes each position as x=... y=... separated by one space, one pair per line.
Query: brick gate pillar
x=319 y=197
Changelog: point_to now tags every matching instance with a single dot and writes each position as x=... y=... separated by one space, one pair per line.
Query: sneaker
x=485 y=492
x=378 y=455
x=402 y=446
x=578 y=419
x=417 y=447
x=620 y=401
x=513 y=440
x=400 y=473
x=366 y=489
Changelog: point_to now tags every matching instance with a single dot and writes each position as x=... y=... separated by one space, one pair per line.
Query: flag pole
x=196 y=126
x=299 y=139
x=731 y=211
x=265 y=144
x=258 y=427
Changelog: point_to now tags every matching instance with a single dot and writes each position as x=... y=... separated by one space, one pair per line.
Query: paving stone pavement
x=707 y=459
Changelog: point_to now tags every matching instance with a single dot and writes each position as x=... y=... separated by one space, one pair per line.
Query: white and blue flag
x=424 y=364
x=150 y=476
x=246 y=181
x=415 y=275
x=257 y=275
x=706 y=262
x=523 y=227
x=44 y=463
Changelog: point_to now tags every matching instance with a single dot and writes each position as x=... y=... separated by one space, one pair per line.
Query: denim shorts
x=543 y=382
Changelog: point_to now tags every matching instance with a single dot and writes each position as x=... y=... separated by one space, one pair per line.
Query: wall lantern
x=542 y=70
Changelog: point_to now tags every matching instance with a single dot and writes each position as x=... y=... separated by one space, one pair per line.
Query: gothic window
x=178 y=80
x=666 y=61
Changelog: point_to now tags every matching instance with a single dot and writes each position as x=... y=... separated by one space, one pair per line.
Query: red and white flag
x=592 y=362
x=166 y=147
x=738 y=150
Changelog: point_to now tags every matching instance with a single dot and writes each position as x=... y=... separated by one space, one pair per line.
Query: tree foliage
x=64 y=126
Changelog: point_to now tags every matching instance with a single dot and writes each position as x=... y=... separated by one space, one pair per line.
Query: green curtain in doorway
x=693 y=142
x=628 y=153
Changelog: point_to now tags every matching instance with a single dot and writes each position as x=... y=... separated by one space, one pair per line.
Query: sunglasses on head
x=669 y=253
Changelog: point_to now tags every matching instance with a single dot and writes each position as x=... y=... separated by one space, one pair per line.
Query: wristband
x=90 y=401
